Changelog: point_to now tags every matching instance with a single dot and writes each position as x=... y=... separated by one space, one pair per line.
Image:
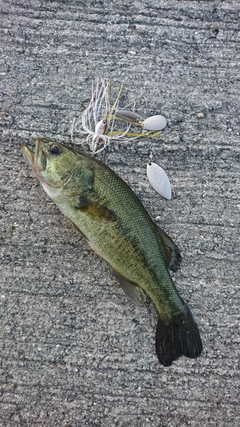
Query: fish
x=106 y=211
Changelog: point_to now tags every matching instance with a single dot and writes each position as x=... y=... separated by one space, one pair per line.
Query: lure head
x=62 y=171
x=101 y=127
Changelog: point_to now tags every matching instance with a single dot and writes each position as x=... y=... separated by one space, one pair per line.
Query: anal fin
x=134 y=292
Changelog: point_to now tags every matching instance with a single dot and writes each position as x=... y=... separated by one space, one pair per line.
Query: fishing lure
x=99 y=122
x=152 y=123
x=128 y=116
x=159 y=180
x=101 y=111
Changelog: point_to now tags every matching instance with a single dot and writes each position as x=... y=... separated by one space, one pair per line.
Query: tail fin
x=179 y=336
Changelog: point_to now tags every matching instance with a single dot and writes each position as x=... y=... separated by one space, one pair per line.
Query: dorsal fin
x=171 y=252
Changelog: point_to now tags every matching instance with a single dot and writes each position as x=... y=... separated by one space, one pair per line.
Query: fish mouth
x=34 y=159
x=28 y=154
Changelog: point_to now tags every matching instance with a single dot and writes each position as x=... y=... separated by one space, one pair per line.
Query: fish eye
x=54 y=149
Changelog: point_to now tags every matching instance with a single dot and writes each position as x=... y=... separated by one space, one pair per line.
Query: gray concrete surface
x=74 y=350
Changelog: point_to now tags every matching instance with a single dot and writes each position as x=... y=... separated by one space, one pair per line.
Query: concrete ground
x=74 y=350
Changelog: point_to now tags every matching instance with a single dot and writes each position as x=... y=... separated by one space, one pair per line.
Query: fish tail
x=179 y=336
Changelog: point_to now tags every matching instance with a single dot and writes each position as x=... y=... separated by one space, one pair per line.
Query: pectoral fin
x=171 y=252
x=133 y=291
x=94 y=210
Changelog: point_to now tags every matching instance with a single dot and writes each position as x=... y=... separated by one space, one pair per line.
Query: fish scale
x=118 y=197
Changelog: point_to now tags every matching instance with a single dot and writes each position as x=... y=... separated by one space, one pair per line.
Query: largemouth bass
x=109 y=215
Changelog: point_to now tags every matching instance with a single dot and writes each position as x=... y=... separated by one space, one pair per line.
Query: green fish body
x=109 y=215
